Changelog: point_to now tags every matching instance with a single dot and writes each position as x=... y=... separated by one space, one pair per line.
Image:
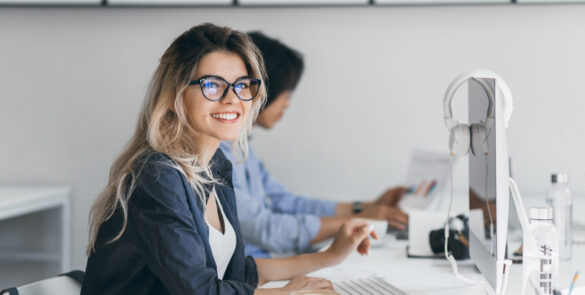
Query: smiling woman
x=167 y=223
x=209 y=100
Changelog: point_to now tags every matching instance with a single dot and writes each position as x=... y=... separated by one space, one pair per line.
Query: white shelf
x=18 y=204
x=18 y=200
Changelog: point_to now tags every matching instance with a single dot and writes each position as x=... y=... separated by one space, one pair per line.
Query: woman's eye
x=211 y=87
x=241 y=86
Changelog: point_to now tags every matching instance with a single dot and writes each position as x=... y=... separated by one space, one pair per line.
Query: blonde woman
x=166 y=223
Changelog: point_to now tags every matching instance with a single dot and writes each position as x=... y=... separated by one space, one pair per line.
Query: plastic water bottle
x=560 y=199
x=540 y=269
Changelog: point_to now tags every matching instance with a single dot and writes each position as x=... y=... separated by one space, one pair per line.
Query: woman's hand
x=352 y=235
x=308 y=283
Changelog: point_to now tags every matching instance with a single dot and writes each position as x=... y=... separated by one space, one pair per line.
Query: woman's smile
x=226 y=117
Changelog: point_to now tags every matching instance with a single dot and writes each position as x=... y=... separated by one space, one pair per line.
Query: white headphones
x=462 y=137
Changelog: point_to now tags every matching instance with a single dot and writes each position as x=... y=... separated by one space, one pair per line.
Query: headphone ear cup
x=478 y=139
x=459 y=140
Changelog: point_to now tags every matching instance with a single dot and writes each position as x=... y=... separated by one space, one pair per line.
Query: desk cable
x=507 y=262
x=448 y=254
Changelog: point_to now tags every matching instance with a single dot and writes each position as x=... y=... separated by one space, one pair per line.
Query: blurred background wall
x=72 y=81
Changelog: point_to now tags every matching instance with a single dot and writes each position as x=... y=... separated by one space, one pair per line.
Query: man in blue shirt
x=273 y=219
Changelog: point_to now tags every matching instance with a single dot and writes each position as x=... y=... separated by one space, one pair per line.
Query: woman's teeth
x=229 y=116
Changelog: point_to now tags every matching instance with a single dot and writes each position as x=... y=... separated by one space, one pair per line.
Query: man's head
x=284 y=67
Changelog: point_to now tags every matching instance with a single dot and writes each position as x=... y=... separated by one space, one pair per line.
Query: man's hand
x=392 y=196
x=395 y=217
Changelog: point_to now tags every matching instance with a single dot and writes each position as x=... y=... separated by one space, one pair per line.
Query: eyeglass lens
x=215 y=88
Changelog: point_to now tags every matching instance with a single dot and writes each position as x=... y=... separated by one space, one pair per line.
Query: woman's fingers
x=355 y=224
x=323 y=284
x=319 y=284
x=361 y=237
x=363 y=232
x=364 y=246
x=375 y=235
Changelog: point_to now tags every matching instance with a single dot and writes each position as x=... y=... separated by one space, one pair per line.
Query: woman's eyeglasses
x=215 y=88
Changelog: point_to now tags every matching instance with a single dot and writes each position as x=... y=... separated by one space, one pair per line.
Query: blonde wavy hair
x=163 y=124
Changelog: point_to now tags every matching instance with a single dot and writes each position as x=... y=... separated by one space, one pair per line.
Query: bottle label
x=546 y=269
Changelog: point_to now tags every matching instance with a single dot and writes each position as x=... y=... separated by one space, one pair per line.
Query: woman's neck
x=206 y=151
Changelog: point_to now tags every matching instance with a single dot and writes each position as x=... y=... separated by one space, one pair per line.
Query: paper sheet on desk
x=426 y=178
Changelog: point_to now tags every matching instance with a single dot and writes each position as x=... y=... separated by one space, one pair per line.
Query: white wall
x=72 y=81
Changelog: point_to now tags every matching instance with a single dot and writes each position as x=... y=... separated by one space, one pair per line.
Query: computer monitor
x=488 y=184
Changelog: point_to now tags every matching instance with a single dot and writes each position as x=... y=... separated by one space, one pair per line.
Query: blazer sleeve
x=163 y=228
x=251 y=272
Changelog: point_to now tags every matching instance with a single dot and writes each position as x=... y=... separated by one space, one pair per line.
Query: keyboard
x=367 y=286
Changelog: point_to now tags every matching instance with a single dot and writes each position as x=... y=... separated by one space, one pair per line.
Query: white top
x=222 y=245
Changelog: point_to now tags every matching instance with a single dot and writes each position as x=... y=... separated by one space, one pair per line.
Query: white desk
x=427 y=276
x=433 y=276
x=35 y=231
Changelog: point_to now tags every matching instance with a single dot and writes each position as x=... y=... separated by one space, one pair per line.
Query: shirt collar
x=221 y=167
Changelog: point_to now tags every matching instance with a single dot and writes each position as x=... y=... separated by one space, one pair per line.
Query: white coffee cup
x=380 y=227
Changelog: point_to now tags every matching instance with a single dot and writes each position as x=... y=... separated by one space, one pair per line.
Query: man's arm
x=390 y=197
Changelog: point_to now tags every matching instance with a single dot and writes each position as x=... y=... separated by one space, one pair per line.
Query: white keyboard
x=367 y=286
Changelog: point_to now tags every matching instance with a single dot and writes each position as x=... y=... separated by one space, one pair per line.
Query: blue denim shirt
x=165 y=246
x=272 y=218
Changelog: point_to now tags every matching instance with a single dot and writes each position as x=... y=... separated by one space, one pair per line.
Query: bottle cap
x=559 y=178
x=544 y=213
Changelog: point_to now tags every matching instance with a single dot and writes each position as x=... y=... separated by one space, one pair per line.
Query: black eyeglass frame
x=253 y=81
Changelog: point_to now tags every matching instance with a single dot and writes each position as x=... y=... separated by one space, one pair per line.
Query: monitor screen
x=488 y=183
x=482 y=171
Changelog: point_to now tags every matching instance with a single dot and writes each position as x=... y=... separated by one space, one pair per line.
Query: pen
x=575 y=277
x=430 y=187
x=420 y=186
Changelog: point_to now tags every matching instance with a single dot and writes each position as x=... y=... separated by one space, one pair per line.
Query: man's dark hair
x=284 y=65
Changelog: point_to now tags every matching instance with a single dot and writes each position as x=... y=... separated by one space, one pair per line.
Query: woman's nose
x=230 y=98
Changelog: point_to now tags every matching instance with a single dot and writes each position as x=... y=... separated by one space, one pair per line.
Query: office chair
x=63 y=284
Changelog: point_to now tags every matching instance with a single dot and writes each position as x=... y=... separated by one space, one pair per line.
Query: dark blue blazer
x=165 y=246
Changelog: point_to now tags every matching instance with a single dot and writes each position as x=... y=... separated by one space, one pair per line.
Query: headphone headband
x=478 y=75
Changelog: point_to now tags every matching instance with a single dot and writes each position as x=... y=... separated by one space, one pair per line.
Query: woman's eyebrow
x=218 y=76
x=208 y=75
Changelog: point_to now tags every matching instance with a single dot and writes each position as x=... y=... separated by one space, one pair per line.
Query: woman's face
x=274 y=111
x=223 y=119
